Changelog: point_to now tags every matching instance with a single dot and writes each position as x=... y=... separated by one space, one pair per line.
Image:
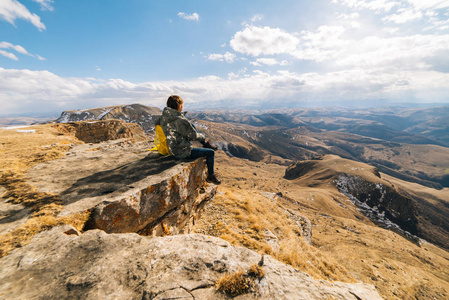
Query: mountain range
x=407 y=143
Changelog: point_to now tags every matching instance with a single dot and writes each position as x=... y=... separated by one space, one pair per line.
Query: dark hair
x=174 y=101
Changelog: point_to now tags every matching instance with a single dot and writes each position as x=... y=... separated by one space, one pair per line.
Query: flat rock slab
x=94 y=172
x=96 y=265
x=12 y=215
x=126 y=187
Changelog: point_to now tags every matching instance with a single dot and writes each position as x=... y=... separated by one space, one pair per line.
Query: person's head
x=175 y=102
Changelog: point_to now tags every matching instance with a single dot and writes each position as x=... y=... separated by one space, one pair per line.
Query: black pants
x=210 y=157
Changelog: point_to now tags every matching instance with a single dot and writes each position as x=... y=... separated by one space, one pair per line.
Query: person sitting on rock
x=179 y=132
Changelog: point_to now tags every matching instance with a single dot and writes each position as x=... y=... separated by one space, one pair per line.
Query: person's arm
x=187 y=130
x=157 y=120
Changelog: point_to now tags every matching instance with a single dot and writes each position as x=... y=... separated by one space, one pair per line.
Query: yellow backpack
x=160 y=142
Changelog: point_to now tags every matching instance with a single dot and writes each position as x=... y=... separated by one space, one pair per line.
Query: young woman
x=179 y=132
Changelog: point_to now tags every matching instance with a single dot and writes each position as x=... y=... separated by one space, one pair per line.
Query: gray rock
x=127 y=188
x=97 y=265
x=271 y=239
x=105 y=130
x=157 y=205
x=12 y=215
x=304 y=225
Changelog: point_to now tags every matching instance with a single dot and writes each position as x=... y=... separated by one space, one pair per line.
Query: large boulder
x=126 y=188
x=60 y=264
x=167 y=203
x=99 y=131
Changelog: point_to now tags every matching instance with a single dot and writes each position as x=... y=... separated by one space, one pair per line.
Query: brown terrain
x=335 y=204
x=255 y=197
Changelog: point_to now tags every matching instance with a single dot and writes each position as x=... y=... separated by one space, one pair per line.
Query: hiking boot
x=213 y=179
x=207 y=144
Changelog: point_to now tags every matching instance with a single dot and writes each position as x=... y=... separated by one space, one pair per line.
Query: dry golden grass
x=44 y=219
x=246 y=216
x=240 y=282
x=343 y=240
x=18 y=153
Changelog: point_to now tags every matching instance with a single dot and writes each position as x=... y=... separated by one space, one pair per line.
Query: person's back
x=179 y=132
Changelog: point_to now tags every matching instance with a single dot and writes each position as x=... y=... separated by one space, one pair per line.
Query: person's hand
x=208 y=144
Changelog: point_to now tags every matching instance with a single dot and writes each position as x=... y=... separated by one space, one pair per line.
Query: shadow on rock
x=121 y=178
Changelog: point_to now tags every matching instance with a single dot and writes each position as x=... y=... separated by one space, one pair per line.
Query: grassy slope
x=343 y=240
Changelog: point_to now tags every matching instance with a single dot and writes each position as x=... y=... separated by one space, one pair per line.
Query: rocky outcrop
x=396 y=208
x=380 y=202
x=251 y=153
x=60 y=264
x=167 y=206
x=363 y=185
x=99 y=131
x=126 y=188
x=413 y=214
x=304 y=225
x=144 y=116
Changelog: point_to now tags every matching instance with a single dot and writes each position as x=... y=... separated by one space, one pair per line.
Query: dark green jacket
x=179 y=132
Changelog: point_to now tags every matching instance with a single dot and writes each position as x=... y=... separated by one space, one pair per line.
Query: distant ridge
x=143 y=115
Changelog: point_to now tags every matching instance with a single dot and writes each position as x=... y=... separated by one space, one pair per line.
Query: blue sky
x=57 y=55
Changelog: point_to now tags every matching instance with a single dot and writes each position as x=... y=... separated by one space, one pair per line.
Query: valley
x=379 y=137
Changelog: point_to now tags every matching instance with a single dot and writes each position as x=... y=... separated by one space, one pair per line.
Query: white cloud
x=228 y=57
x=189 y=17
x=428 y=4
x=396 y=53
x=257 y=18
x=268 y=62
x=45 y=4
x=18 y=49
x=381 y=64
x=10 y=10
x=254 y=19
x=40 y=57
x=391 y=30
x=402 y=11
x=350 y=19
x=25 y=90
x=351 y=16
x=239 y=73
x=332 y=46
x=263 y=40
x=376 y=5
x=8 y=55
x=404 y=16
x=323 y=44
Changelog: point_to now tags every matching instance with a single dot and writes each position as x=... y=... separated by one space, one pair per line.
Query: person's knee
x=210 y=153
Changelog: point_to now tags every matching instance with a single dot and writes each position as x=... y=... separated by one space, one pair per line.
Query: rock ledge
x=129 y=266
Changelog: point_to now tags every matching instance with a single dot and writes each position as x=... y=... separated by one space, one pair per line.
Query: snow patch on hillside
x=348 y=184
x=104 y=113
